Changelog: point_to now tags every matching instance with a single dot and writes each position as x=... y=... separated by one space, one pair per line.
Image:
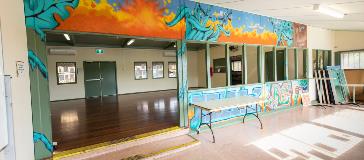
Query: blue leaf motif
x=39 y=14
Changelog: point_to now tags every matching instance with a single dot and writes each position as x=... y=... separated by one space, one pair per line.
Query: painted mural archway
x=172 y=19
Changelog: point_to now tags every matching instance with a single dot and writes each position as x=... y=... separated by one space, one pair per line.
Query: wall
x=317 y=38
x=42 y=124
x=15 y=49
x=348 y=40
x=124 y=58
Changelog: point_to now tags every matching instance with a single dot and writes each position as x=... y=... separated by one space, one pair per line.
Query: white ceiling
x=301 y=11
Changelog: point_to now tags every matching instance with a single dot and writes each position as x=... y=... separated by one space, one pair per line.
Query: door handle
x=95 y=79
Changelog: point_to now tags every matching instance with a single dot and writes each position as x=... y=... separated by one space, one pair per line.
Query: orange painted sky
x=144 y=18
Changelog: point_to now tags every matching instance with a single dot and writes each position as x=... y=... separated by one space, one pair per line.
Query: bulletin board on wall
x=3 y=113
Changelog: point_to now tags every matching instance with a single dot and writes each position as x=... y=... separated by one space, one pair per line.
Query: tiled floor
x=301 y=133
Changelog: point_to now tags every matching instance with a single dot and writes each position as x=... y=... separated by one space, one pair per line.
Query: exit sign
x=99 y=51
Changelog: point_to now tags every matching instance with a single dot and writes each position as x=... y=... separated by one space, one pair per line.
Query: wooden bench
x=218 y=105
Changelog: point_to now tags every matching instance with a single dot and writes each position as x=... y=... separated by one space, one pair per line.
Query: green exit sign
x=99 y=51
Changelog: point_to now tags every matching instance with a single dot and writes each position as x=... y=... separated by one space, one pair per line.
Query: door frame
x=116 y=78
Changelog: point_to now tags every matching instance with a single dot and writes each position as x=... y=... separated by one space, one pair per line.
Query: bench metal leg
x=256 y=115
x=208 y=125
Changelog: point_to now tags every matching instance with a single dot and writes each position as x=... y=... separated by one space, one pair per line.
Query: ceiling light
x=130 y=42
x=175 y=45
x=67 y=36
x=328 y=11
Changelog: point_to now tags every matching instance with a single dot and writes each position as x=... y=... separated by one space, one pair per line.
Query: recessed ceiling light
x=67 y=36
x=328 y=11
x=130 y=42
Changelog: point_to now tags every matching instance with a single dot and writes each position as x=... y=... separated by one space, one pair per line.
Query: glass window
x=196 y=65
x=291 y=64
x=361 y=60
x=269 y=64
x=158 y=70
x=218 y=62
x=252 y=60
x=66 y=72
x=140 y=70
x=302 y=54
x=281 y=64
x=236 y=64
x=172 y=70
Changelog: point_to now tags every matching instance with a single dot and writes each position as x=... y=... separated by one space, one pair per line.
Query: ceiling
x=107 y=41
x=301 y=11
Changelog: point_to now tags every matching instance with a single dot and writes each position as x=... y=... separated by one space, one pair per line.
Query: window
x=281 y=64
x=291 y=64
x=252 y=60
x=140 y=70
x=321 y=59
x=66 y=73
x=158 y=70
x=172 y=70
x=196 y=65
x=236 y=66
x=352 y=60
x=269 y=64
x=218 y=62
x=302 y=59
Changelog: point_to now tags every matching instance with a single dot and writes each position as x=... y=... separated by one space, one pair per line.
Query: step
x=153 y=150
x=118 y=145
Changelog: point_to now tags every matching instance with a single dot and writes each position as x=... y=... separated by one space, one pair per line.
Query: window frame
x=146 y=70
x=57 y=73
x=175 y=63
x=156 y=62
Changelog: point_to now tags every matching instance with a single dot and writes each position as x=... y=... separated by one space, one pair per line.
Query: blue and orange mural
x=175 y=19
x=277 y=95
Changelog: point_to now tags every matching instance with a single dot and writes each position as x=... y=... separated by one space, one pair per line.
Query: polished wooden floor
x=78 y=123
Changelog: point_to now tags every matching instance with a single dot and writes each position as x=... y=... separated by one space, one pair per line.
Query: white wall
x=317 y=38
x=14 y=44
x=124 y=58
x=348 y=40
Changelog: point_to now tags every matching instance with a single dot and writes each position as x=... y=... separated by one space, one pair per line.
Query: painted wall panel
x=40 y=96
x=278 y=95
x=176 y=19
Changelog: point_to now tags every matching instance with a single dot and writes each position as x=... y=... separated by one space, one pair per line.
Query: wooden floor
x=78 y=123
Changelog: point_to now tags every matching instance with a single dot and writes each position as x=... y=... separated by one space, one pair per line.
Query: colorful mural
x=340 y=89
x=277 y=95
x=41 y=137
x=40 y=14
x=175 y=19
x=36 y=62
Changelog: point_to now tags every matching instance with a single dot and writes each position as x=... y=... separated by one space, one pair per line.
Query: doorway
x=100 y=79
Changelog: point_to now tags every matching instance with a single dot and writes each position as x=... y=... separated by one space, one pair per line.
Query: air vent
x=62 y=51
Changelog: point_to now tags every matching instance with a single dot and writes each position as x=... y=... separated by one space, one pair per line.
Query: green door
x=108 y=78
x=100 y=79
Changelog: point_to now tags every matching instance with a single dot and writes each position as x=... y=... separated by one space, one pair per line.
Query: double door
x=100 y=79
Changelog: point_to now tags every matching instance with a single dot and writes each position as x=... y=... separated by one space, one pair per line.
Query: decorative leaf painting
x=40 y=14
x=172 y=19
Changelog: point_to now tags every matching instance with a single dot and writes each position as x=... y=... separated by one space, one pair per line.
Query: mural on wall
x=40 y=14
x=41 y=137
x=277 y=95
x=197 y=96
x=176 y=19
x=36 y=62
x=300 y=35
